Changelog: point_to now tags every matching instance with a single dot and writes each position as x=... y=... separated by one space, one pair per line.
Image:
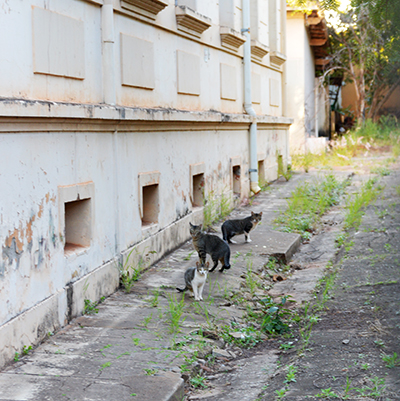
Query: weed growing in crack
x=275 y=316
x=305 y=160
x=188 y=256
x=212 y=285
x=105 y=365
x=377 y=388
x=216 y=207
x=310 y=313
x=291 y=374
x=201 y=309
x=174 y=313
x=390 y=360
x=189 y=360
x=136 y=341
x=382 y=171
x=235 y=257
x=382 y=213
x=125 y=353
x=356 y=204
x=308 y=203
x=154 y=300
x=388 y=248
x=25 y=349
x=129 y=273
x=150 y=372
x=198 y=381
x=286 y=346
x=271 y=264
x=245 y=337
x=281 y=393
x=90 y=307
x=325 y=285
x=327 y=393
x=307 y=323
x=365 y=366
x=224 y=292
x=147 y=320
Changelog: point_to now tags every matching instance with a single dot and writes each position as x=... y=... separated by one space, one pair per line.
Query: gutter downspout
x=107 y=30
x=248 y=105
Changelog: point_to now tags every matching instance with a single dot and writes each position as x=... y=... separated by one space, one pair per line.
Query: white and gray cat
x=195 y=278
x=240 y=226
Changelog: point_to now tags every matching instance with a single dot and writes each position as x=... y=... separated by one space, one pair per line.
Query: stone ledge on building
x=23 y=108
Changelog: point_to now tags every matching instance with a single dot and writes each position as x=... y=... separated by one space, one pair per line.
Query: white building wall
x=296 y=75
x=309 y=101
x=308 y=104
x=59 y=142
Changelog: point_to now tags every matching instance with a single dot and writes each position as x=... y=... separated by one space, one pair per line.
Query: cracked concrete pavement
x=127 y=350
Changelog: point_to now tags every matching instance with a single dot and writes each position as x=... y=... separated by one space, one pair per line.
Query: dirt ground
x=361 y=322
x=353 y=351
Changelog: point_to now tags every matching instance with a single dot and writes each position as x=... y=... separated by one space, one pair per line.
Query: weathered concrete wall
x=100 y=143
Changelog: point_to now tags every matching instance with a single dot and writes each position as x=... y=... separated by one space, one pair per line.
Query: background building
x=118 y=119
x=309 y=102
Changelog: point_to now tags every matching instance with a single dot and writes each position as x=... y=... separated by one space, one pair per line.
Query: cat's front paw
x=232 y=241
x=248 y=240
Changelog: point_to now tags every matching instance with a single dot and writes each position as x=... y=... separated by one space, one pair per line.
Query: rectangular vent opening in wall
x=150 y=204
x=198 y=190
x=261 y=173
x=236 y=180
x=78 y=224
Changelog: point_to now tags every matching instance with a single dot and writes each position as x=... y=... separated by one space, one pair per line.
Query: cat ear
x=201 y=226
x=207 y=264
x=260 y=213
x=252 y=213
x=197 y=263
x=191 y=225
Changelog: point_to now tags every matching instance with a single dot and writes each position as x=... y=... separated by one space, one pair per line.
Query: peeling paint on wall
x=22 y=237
x=12 y=253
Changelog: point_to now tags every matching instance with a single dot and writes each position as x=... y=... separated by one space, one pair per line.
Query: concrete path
x=353 y=351
x=141 y=345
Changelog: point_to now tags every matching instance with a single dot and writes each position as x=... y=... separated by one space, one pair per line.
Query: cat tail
x=226 y=259
x=182 y=289
x=224 y=233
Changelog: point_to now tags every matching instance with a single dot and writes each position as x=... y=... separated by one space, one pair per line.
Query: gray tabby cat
x=211 y=244
x=240 y=226
x=195 y=278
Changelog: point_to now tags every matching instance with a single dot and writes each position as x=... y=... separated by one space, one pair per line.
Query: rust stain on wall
x=18 y=236
x=40 y=212
x=177 y=186
x=24 y=233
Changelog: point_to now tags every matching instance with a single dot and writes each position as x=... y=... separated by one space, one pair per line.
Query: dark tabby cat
x=195 y=278
x=211 y=244
x=240 y=226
